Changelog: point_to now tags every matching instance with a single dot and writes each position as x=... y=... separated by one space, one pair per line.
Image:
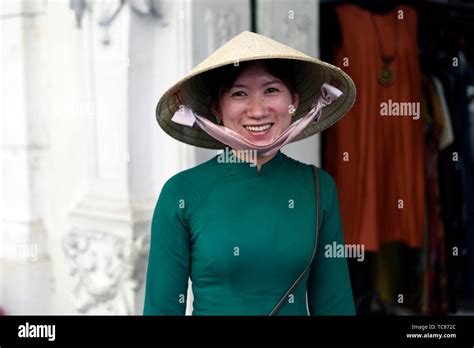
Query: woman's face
x=257 y=106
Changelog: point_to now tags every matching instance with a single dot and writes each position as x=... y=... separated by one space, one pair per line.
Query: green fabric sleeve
x=329 y=288
x=169 y=260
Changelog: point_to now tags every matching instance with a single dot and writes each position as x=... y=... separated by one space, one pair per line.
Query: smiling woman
x=245 y=233
x=256 y=99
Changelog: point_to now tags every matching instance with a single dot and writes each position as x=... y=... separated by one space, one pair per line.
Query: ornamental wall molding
x=221 y=25
x=107 y=270
x=105 y=12
x=296 y=24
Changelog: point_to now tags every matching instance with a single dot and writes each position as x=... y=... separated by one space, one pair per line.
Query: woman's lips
x=258 y=131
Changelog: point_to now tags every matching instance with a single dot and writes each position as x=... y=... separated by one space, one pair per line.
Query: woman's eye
x=238 y=94
x=272 y=90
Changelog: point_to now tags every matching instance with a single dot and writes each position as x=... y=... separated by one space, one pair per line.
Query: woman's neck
x=260 y=160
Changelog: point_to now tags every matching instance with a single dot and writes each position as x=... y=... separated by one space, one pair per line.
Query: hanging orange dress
x=377 y=161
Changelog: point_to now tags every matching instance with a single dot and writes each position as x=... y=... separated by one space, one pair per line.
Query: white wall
x=82 y=157
x=41 y=140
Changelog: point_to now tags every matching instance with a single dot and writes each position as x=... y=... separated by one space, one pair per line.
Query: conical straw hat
x=311 y=73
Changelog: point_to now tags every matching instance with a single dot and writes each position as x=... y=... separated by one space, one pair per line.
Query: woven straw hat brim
x=311 y=73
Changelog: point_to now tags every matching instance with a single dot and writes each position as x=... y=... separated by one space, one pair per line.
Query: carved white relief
x=294 y=25
x=107 y=270
x=295 y=31
x=105 y=12
x=221 y=26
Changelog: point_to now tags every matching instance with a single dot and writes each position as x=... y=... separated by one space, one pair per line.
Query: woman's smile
x=257 y=132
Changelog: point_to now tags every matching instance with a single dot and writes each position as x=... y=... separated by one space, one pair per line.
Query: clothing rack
x=445 y=28
x=450 y=23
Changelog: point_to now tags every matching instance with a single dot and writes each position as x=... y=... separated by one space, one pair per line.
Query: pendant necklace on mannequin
x=386 y=76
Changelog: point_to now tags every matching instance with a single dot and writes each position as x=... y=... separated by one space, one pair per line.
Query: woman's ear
x=296 y=100
x=214 y=108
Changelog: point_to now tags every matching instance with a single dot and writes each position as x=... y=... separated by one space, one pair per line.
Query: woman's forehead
x=255 y=72
x=256 y=65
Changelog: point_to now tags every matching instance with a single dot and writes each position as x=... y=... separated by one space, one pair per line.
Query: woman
x=243 y=227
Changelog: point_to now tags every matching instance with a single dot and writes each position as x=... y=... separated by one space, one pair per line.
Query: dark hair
x=221 y=79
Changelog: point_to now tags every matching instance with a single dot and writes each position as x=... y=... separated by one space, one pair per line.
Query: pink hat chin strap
x=187 y=117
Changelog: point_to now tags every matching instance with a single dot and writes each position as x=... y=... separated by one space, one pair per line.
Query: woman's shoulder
x=195 y=179
x=304 y=169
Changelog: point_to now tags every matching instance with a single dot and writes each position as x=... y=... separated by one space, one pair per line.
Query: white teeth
x=259 y=128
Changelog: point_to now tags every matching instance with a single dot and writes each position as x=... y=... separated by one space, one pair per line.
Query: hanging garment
x=451 y=191
x=456 y=170
x=447 y=135
x=399 y=280
x=377 y=161
x=437 y=132
x=469 y=145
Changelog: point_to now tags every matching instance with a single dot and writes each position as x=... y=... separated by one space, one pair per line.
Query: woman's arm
x=168 y=263
x=329 y=286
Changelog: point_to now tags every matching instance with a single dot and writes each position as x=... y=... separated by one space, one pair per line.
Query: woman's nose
x=257 y=108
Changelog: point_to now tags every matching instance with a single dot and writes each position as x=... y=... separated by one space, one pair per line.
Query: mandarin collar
x=267 y=169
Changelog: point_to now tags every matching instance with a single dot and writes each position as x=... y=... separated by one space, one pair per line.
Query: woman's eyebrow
x=270 y=82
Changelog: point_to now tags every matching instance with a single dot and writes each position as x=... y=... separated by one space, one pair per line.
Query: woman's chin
x=259 y=142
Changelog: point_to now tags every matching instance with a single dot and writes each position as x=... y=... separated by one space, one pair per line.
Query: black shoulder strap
x=298 y=280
